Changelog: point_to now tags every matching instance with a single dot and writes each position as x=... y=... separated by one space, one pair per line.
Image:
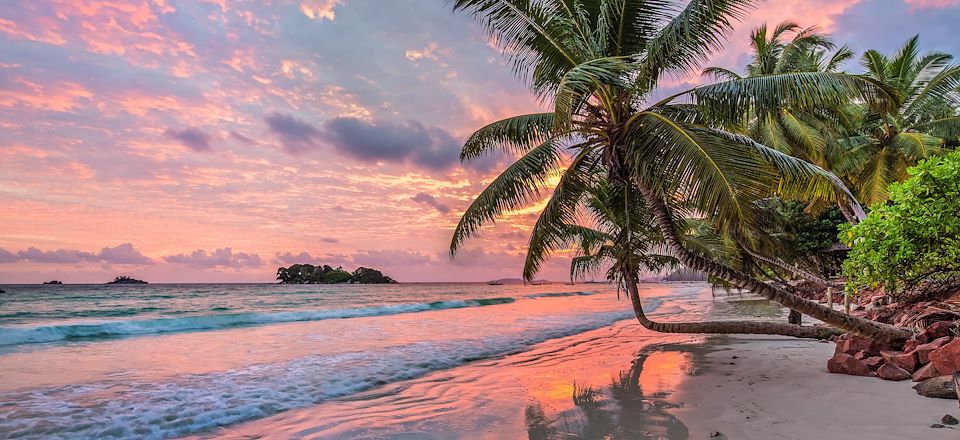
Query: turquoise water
x=160 y=361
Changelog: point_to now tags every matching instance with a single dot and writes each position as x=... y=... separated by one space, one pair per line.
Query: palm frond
x=514 y=135
x=519 y=185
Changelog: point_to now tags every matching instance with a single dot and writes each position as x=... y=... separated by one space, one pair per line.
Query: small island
x=123 y=279
x=53 y=282
x=325 y=274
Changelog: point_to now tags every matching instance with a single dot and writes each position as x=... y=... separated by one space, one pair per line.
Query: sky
x=213 y=141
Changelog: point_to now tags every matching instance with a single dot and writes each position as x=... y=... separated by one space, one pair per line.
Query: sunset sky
x=209 y=141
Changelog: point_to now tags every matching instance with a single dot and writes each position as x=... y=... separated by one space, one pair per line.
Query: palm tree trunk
x=722 y=327
x=860 y=326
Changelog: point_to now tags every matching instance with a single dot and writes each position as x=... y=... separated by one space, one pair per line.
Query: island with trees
x=53 y=282
x=325 y=274
x=123 y=279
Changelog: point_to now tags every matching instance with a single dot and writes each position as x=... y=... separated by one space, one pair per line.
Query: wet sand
x=623 y=381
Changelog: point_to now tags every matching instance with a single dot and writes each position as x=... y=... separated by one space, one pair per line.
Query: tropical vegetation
x=914 y=240
x=923 y=122
x=599 y=64
x=325 y=274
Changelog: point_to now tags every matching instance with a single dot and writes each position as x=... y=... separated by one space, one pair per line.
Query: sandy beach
x=623 y=381
x=778 y=388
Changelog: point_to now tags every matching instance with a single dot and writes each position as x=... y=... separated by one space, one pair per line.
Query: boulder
x=861 y=355
x=911 y=345
x=946 y=359
x=892 y=372
x=873 y=362
x=925 y=372
x=850 y=344
x=843 y=363
x=923 y=350
x=906 y=361
x=939 y=329
x=948 y=419
x=940 y=387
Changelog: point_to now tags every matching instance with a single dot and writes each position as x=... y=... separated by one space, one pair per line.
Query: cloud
x=121 y=254
x=319 y=9
x=288 y=258
x=409 y=141
x=329 y=240
x=390 y=258
x=8 y=257
x=243 y=139
x=223 y=257
x=191 y=137
x=296 y=136
x=429 y=200
x=58 y=256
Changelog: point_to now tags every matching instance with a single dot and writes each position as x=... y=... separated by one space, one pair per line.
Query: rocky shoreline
x=931 y=357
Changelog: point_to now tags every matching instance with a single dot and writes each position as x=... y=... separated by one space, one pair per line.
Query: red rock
x=923 y=350
x=925 y=372
x=911 y=345
x=892 y=372
x=842 y=363
x=907 y=361
x=873 y=362
x=852 y=344
x=861 y=355
x=946 y=359
x=939 y=329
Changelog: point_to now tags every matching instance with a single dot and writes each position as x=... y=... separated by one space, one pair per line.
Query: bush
x=914 y=237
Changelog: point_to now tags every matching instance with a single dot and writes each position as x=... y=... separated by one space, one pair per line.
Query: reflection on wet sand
x=634 y=406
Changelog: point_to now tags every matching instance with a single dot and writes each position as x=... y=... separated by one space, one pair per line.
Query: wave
x=560 y=294
x=33 y=334
x=196 y=403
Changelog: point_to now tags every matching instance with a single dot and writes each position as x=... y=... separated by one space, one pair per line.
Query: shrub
x=914 y=237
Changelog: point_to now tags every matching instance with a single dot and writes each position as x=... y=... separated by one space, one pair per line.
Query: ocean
x=168 y=360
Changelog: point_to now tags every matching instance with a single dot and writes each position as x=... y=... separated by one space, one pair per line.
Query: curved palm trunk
x=723 y=327
x=860 y=326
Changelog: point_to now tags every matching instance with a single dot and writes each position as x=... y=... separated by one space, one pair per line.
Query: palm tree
x=922 y=123
x=599 y=62
x=625 y=240
x=807 y=133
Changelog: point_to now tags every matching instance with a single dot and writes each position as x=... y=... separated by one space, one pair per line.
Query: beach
x=540 y=362
x=642 y=386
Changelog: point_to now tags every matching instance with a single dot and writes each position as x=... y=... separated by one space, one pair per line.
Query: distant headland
x=123 y=279
x=53 y=282
x=310 y=274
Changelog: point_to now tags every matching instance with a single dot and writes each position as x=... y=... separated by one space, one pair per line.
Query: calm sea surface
x=160 y=361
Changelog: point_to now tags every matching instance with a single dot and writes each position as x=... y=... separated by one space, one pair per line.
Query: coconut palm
x=808 y=132
x=599 y=62
x=922 y=123
x=623 y=239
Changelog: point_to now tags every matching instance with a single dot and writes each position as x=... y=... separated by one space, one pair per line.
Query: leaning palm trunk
x=723 y=327
x=860 y=326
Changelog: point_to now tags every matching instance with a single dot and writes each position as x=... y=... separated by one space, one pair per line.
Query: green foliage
x=364 y=275
x=810 y=234
x=922 y=123
x=336 y=276
x=310 y=274
x=913 y=238
x=596 y=63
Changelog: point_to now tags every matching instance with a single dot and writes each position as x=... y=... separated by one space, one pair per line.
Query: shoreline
x=759 y=387
x=628 y=382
